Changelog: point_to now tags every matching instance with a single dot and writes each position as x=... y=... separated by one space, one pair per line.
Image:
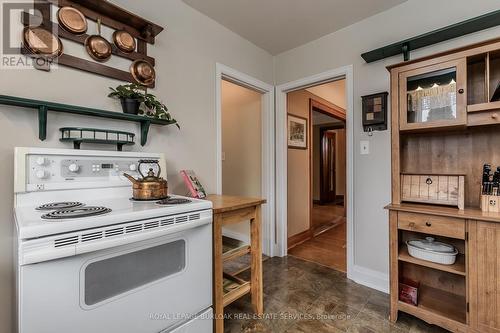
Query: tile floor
x=295 y=291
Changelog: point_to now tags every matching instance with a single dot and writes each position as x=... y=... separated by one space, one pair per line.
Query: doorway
x=316 y=218
x=245 y=158
x=282 y=159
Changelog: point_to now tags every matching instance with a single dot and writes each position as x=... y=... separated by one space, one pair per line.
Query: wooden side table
x=228 y=210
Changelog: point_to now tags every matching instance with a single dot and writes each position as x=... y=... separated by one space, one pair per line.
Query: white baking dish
x=430 y=250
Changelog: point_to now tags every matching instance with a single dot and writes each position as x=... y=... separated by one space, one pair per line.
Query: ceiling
x=281 y=25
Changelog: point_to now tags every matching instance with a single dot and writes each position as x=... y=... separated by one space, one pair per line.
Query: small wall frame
x=375 y=112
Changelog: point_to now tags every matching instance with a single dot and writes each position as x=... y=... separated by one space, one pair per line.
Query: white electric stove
x=91 y=259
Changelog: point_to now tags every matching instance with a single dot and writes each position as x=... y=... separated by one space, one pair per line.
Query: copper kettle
x=151 y=186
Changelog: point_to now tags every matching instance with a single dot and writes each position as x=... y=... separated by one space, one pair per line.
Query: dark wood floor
x=301 y=296
x=328 y=246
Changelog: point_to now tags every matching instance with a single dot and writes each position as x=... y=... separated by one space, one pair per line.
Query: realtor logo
x=26 y=42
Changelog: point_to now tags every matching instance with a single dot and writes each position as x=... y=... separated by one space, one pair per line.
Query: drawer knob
x=428 y=224
x=411 y=225
x=428 y=181
x=461 y=91
x=494 y=116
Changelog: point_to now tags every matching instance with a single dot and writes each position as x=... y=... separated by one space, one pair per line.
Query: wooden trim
x=395 y=158
x=467 y=213
x=489 y=106
x=335 y=111
x=433 y=318
x=299 y=238
x=256 y=283
x=393 y=265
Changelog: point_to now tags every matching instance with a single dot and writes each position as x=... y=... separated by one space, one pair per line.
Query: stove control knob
x=41 y=174
x=73 y=167
x=132 y=167
x=41 y=161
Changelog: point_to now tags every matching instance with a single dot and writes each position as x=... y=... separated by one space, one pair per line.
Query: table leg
x=218 y=291
x=256 y=266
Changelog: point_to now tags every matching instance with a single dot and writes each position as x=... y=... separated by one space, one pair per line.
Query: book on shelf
x=193 y=184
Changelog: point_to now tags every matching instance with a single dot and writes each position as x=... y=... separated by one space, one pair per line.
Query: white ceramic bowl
x=445 y=258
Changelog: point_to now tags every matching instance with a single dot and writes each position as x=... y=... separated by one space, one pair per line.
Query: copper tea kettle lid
x=151 y=176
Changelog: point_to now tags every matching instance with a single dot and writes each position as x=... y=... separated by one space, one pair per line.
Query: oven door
x=143 y=287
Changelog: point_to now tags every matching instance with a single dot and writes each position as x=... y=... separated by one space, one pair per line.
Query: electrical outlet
x=364 y=147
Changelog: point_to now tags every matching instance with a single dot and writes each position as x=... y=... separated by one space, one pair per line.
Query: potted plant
x=155 y=108
x=130 y=96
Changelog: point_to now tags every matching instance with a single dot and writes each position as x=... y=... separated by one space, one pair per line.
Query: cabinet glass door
x=433 y=96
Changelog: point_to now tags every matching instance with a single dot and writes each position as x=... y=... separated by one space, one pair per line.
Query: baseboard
x=236 y=235
x=370 y=278
x=301 y=237
x=316 y=201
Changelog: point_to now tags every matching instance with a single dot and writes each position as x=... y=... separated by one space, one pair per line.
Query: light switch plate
x=364 y=147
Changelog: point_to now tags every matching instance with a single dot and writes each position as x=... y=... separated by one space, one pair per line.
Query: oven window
x=113 y=276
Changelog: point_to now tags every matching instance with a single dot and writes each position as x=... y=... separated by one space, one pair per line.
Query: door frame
x=322 y=188
x=335 y=112
x=281 y=156
x=223 y=72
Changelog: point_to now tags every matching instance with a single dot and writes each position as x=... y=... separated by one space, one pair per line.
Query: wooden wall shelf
x=43 y=107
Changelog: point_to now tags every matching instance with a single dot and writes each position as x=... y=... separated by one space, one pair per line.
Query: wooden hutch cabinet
x=444 y=122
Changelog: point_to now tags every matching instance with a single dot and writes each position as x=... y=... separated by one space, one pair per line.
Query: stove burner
x=147 y=200
x=59 y=205
x=76 y=212
x=173 y=201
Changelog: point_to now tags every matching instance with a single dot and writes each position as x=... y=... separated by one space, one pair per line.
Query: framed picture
x=297 y=132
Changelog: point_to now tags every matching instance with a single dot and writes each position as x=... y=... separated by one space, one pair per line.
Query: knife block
x=490 y=203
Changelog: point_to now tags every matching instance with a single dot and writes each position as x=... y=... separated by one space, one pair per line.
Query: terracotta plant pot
x=130 y=105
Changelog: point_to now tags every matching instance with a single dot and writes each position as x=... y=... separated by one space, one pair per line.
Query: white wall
x=344 y=47
x=242 y=147
x=186 y=54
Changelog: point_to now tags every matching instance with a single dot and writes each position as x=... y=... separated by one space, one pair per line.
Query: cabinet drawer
x=483 y=118
x=432 y=224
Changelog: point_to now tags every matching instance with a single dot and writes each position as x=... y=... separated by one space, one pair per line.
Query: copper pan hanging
x=42 y=42
x=124 y=41
x=97 y=46
x=143 y=72
x=72 y=20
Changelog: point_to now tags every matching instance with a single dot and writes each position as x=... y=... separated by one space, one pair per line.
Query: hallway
x=327 y=248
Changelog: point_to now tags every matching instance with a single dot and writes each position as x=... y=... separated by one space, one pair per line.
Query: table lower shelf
x=233 y=248
x=234 y=288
